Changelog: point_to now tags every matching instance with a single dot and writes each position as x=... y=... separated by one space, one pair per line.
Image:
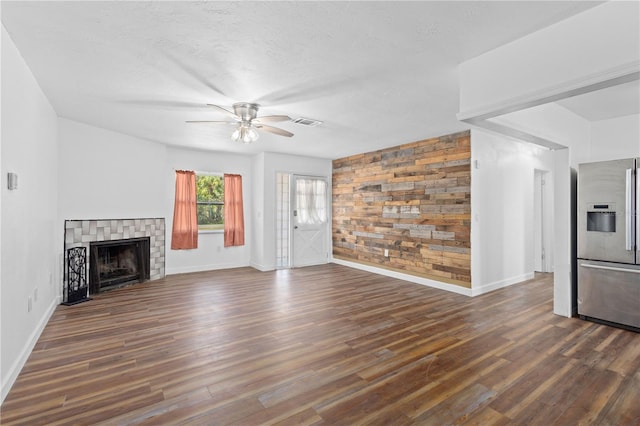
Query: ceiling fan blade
x=193 y=73
x=272 y=118
x=227 y=112
x=274 y=130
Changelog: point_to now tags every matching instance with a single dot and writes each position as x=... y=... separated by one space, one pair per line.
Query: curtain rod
x=206 y=173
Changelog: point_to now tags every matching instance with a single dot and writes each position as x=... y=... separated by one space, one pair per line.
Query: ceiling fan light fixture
x=245 y=133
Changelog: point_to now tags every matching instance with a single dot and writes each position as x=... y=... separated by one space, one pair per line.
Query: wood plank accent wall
x=413 y=200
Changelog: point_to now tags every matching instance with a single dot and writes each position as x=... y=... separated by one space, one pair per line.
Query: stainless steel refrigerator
x=609 y=242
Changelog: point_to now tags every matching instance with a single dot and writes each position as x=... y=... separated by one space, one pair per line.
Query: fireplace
x=116 y=263
x=88 y=233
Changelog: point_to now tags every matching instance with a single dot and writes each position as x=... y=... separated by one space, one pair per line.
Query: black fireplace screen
x=77 y=288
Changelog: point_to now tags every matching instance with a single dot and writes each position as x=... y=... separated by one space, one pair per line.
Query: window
x=210 y=202
x=311 y=201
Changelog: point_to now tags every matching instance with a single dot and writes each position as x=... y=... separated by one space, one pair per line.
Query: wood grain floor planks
x=324 y=345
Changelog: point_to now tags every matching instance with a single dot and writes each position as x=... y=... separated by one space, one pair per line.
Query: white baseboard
x=9 y=379
x=486 y=288
x=406 y=277
x=474 y=291
x=262 y=268
x=203 y=268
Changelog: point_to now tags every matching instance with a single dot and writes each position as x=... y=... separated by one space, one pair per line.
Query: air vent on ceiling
x=307 y=122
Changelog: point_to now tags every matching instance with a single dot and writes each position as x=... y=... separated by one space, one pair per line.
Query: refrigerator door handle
x=637 y=211
x=610 y=268
x=629 y=218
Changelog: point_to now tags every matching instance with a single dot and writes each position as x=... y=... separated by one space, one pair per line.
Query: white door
x=309 y=220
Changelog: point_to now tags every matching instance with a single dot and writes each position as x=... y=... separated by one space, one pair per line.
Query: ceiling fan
x=245 y=117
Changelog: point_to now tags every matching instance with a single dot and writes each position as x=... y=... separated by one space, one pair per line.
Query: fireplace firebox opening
x=117 y=263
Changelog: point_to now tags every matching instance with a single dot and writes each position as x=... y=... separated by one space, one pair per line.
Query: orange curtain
x=185 y=220
x=233 y=211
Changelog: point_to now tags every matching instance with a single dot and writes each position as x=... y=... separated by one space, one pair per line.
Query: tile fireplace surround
x=80 y=233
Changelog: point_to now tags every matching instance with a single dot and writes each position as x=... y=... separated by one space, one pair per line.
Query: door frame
x=543 y=221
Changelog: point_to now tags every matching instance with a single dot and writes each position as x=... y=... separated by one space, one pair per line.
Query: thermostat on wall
x=12 y=181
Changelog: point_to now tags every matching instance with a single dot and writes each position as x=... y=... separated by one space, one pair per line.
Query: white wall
x=258 y=255
x=564 y=218
x=30 y=240
x=502 y=201
x=211 y=253
x=109 y=175
x=265 y=214
x=615 y=138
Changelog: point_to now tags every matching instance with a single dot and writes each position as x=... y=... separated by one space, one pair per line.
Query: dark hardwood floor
x=324 y=345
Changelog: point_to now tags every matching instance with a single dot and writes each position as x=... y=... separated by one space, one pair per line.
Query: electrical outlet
x=386 y=252
x=29 y=304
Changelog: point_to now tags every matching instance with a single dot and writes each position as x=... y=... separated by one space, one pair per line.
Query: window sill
x=211 y=231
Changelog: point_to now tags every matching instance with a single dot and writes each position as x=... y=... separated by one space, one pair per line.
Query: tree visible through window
x=210 y=202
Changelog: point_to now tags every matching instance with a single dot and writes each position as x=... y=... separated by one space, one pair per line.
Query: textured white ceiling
x=377 y=74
